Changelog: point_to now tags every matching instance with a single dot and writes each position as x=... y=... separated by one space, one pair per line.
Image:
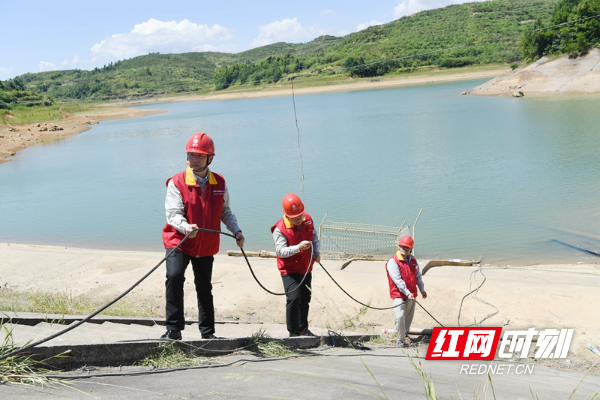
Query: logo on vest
x=218 y=192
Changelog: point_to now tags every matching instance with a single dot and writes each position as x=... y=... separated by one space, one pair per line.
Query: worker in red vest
x=404 y=276
x=196 y=198
x=296 y=243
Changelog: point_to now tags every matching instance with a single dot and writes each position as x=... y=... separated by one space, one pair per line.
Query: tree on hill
x=575 y=38
x=13 y=94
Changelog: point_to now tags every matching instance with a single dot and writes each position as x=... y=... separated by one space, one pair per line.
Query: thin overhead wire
x=299 y=149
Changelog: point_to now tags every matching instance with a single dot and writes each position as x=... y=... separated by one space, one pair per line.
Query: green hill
x=469 y=34
x=576 y=38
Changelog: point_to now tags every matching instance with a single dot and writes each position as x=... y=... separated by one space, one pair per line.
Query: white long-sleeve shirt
x=394 y=272
x=174 y=207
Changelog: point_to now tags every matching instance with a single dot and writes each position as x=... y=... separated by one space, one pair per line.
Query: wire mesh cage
x=342 y=240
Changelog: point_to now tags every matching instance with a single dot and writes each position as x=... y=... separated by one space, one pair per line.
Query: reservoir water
x=498 y=178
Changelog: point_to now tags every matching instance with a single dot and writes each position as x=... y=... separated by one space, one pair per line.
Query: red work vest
x=297 y=263
x=202 y=210
x=408 y=274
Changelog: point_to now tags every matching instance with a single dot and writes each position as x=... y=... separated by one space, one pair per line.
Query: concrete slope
x=124 y=340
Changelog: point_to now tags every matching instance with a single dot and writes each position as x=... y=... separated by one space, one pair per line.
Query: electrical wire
x=84 y=320
x=359 y=302
x=474 y=296
x=73 y=326
x=375 y=308
x=240 y=361
x=299 y=150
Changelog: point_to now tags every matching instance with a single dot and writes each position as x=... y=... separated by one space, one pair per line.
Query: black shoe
x=172 y=335
x=307 y=333
x=295 y=334
x=211 y=337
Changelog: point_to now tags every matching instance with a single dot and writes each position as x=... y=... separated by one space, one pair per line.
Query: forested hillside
x=13 y=93
x=454 y=36
x=576 y=38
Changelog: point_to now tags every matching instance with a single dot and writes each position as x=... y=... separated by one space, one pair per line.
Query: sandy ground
x=543 y=296
x=565 y=75
x=14 y=138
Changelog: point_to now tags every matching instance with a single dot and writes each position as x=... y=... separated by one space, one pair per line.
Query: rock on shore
x=564 y=75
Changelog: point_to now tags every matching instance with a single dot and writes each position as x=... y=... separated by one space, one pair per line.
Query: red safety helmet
x=200 y=143
x=292 y=205
x=406 y=241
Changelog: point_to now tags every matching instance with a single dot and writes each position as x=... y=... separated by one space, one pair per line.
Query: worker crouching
x=294 y=235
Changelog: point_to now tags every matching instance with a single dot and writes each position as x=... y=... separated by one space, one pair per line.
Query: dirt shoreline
x=541 y=296
x=14 y=138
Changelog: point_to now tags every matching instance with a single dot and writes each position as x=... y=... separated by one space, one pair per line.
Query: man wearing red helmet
x=404 y=276
x=196 y=198
x=294 y=235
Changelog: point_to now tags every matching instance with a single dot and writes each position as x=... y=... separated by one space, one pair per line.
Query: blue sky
x=53 y=35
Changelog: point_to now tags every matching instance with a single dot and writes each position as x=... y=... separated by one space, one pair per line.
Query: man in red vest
x=297 y=248
x=404 y=276
x=196 y=198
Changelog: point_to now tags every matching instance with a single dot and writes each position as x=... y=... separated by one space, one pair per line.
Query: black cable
x=243 y=361
x=71 y=327
x=261 y=285
x=361 y=303
x=429 y=313
x=376 y=308
x=84 y=320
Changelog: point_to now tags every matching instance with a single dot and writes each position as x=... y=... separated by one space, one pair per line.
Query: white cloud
x=327 y=11
x=65 y=62
x=163 y=37
x=75 y=59
x=368 y=24
x=46 y=66
x=5 y=71
x=409 y=7
x=286 y=30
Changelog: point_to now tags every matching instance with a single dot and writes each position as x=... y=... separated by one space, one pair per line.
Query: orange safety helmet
x=292 y=205
x=200 y=143
x=406 y=241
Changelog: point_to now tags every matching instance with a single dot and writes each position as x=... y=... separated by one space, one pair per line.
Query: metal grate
x=341 y=240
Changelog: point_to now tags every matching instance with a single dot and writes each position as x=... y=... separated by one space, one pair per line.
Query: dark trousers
x=296 y=308
x=202 y=266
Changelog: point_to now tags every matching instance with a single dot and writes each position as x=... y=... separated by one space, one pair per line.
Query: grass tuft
x=427 y=380
x=64 y=302
x=19 y=369
x=168 y=355
x=266 y=347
